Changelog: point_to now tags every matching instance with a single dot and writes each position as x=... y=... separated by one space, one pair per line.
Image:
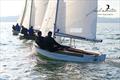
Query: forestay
x=77 y=18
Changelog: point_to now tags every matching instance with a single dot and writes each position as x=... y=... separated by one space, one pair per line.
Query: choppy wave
x=18 y=62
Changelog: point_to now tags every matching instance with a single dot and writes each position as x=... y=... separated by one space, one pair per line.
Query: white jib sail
x=49 y=19
x=26 y=19
x=38 y=12
x=77 y=18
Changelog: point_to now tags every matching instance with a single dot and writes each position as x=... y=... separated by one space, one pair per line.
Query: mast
x=24 y=13
x=31 y=13
x=56 y=18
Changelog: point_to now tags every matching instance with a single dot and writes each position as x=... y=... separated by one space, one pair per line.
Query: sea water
x=17 y=60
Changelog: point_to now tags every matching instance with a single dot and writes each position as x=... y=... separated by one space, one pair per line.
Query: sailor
x=13 y=27
x=17 y=27
x=31 y=31
x=40 y=40
x=51 y=44
x=24 y=31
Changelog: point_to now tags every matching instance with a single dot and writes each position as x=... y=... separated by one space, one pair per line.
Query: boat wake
x=113 y=61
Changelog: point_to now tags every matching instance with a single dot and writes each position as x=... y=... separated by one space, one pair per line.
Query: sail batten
x=77 y=18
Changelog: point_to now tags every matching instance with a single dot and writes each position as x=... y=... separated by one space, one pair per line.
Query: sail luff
x=23 y=16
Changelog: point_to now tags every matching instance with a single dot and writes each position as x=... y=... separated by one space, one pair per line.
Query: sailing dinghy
x=70 y=55
x=74 y=19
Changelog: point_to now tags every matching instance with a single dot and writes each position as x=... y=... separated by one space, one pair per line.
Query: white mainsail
x=26 y=18
x=22 y=15
x=76 y=18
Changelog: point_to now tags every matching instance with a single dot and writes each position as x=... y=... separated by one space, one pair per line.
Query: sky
x=11 y=7
x=15 y=8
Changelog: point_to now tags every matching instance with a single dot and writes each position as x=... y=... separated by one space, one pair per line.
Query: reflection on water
x=18 y=62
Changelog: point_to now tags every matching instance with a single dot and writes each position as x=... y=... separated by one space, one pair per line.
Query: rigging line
x=56 y=16
x=74 y=43
x=62 y=40
x=70 y=42
x=93 y=11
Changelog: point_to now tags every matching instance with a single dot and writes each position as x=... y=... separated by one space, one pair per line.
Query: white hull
x=70 y=58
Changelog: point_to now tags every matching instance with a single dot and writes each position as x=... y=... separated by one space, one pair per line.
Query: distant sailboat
x=33 y=13
x=73 y=19
x=22 y=17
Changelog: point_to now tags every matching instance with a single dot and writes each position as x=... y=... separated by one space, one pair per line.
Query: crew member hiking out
x=40 y=40
x=51 y=44
x=31 y=31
